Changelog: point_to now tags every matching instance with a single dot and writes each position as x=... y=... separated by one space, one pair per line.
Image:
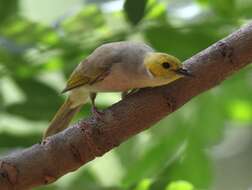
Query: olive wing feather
x=87 y=73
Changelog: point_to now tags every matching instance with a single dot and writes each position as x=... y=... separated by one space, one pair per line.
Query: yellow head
x=165 y=66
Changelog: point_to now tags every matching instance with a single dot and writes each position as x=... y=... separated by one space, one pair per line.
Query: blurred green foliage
x=37 y=55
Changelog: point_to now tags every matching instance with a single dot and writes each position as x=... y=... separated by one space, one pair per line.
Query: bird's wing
x=87 y=73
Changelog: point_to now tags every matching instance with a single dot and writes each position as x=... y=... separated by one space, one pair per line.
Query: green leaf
x=1 y=99
x=226 y=8
x=193 y=166
x=155 y=157
x=41 y=102
x=143 y=184
x=244 y=8
x=8 y=140
x=237 y=104
x=179 y=185
x=135 y=10
x=214 y=119
x=203 y=2
x=81 y=178
x=7 y=9
x=181 y=42
x=240 y=110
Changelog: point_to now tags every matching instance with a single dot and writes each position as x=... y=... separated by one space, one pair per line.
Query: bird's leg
x=134 y=90
x=95 y=111
x=124 y=94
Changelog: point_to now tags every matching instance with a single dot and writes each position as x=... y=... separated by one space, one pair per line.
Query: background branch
x=45 y=162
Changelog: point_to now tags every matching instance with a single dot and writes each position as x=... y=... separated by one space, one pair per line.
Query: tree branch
x=44 y=163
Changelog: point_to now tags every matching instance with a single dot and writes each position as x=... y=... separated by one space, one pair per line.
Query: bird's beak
x=184 y=72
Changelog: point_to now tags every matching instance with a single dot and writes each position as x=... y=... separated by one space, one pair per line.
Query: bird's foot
x=129 y=93
x=97 y=113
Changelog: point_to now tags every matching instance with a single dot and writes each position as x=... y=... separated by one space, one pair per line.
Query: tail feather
x=62 y=118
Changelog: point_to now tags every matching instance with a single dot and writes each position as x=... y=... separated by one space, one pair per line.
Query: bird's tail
x=62 y=118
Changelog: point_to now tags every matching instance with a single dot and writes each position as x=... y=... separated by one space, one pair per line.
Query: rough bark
x=43 y=163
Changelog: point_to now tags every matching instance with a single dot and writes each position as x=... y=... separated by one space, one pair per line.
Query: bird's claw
x=97 y=113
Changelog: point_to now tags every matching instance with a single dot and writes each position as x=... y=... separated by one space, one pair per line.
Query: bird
x=114 y=67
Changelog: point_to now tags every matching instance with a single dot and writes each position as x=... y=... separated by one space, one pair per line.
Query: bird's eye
x=166 y=65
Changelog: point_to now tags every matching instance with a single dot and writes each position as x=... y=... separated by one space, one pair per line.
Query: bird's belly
x=117 y=81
